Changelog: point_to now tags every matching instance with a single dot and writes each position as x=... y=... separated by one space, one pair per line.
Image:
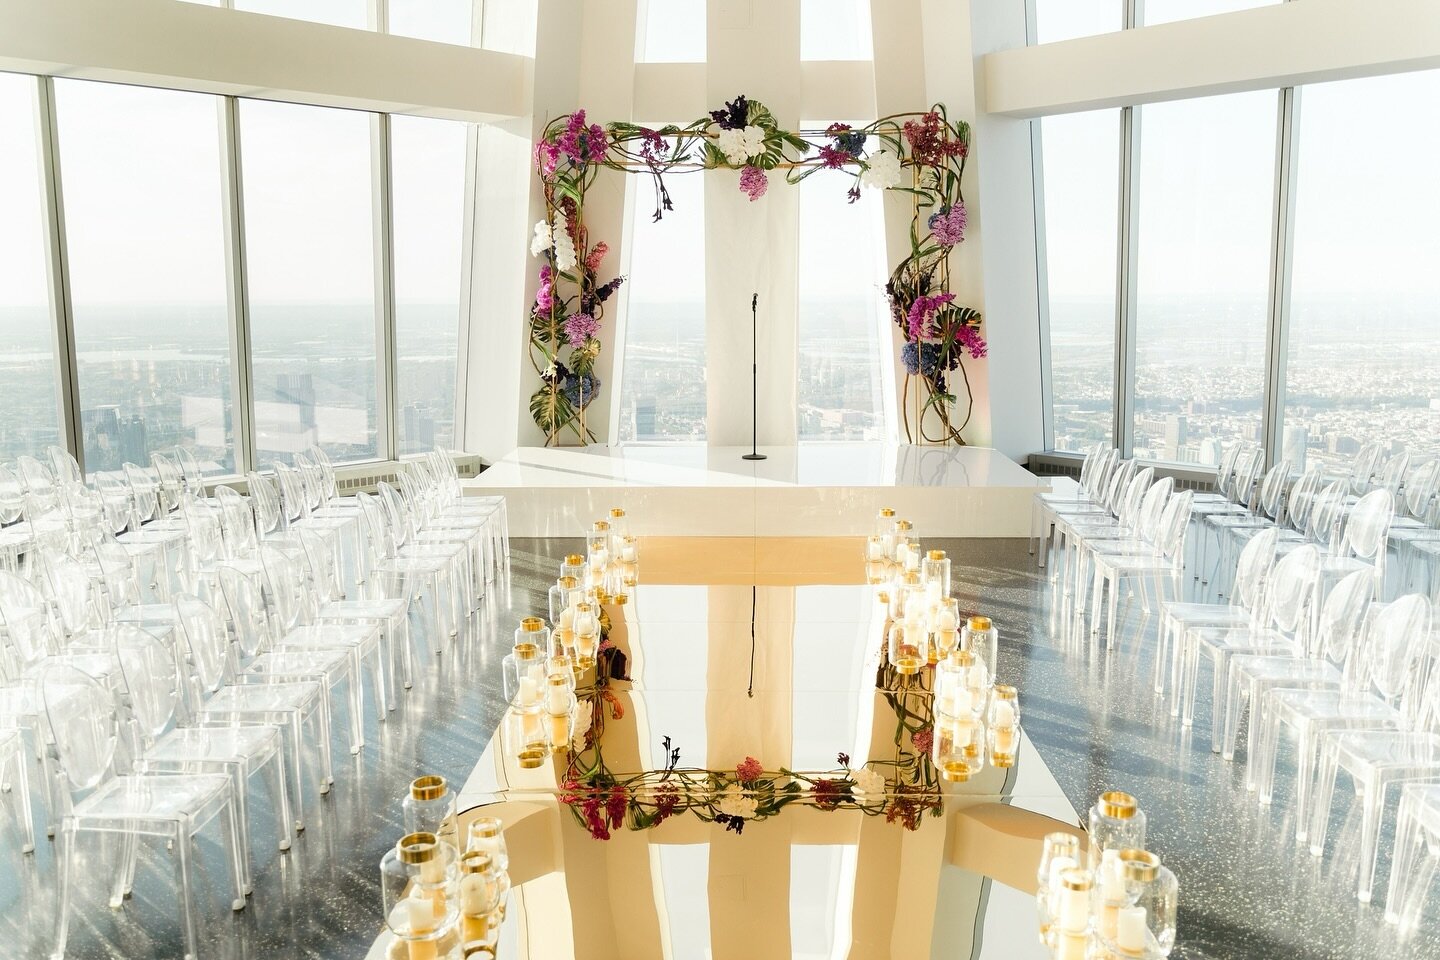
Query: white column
x=752 y=47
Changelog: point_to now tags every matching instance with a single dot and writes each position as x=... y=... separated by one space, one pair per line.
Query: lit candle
x=932 y=591
x=529 y=690
x=1131 y=931
x=557 y=698
x=946 y=619
x=1004 y=713
x=1058 y=866
x=875 y=550
x=1005 y=740
x=567 y=618
x=422 y=921
x=628 y=553
x=1074 y=909
x=964 y=701
x=1070 y=947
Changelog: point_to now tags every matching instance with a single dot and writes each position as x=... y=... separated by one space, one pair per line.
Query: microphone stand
x=754 y=453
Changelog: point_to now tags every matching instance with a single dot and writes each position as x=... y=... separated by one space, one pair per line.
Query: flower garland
x=602 y=800
x=568 y=312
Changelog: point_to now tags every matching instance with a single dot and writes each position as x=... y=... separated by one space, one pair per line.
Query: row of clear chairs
x=162 y=647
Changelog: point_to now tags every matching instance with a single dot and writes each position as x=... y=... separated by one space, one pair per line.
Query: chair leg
x=295 y=731
x=1374 y=810
x=1325 y=775
x=1409 y=847
x=278 y=784
x=236 y=854
x=187 y=903
x=129 y=853
x=20 y=786
x=1235 y=697
x=1114 y=577
x=64 y=858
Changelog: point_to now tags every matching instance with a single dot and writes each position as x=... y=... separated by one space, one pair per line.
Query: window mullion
x=1127 y=281
x=1277 y=333
x=242 y=381
x=58 y=270
x=386 y=435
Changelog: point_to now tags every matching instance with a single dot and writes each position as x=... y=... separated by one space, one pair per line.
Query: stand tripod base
x=752 y=456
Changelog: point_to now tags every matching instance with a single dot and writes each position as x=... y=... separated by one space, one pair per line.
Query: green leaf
x=550 y=410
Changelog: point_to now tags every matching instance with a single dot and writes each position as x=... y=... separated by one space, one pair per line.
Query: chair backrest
x=266 y=503
x=120 y=513
x=38 y=480
x=1152 y=506
x=207 y=639
x=83 y=726
x=312 y=482
x=73 y=593
x=1397 y=653
x=117 y=573
x=285 y=581
x=1325 y=513
x=1087 y=466
x=26 y=618
x=12 y=496
x=191 y=471
x=144 y=490
x=65 y=467
x=1120 y=479
x=152 y=682
x=1256 y=561
x=237 y=523
x=1289 y=588
x=293 y=505
x=1364 y=468
x=1301 y=498
x=1271 y=495
x=1173 y=524
x=1341 y=616
x=253 y=629
x=1248 y=467
x=1420 y=488
x=1391 y=475
x=326 y=467
x=1368 y=526
x=202 y=523
x=1129 y=511
x=1226 y=467
x=375 y=534
x=171 y=481
x=319 y=562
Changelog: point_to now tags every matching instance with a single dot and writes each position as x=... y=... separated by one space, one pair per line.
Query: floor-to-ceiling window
x=140 y=171
x=428 y=196
x=1205 y=192
x=662 y=394
x=1081 y=176
x=1364 y=345
x=28 y=395
x=310 y=252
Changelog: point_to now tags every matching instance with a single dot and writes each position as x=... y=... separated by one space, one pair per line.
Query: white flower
x=740 y=145
x=564 y=247
x=868 y=783
x=737 y=803
x=883 y=172
x=584 y=716
x=542 y=240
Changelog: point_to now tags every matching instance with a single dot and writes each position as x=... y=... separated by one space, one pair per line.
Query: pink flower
x=923 y=739
x=596 y=255
x=545 y=296
x=753 y=182
x=969 y=337
x=749 y=771
x=948 y=225
x=579 y=327
x=922 y=311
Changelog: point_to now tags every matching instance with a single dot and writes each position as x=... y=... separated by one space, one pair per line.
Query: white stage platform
x=801 y=491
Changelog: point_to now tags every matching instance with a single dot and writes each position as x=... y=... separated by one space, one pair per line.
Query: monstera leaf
x=550 y=410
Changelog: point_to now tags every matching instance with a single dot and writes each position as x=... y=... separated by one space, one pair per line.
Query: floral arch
x=922 y=154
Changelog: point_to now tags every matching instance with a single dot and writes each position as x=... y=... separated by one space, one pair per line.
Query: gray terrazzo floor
x=1246 y=889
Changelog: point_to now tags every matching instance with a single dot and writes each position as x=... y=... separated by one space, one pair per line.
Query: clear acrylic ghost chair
x=1376 y=760
x=341 y=530
x=119 y=506
x=1317 y=665
x=170 y=483
x=1236 y=495
x=1382 y=689
x=391 y=615
x=1362 y=471
x=1136 y=530
x=1120 y=485
x=65 y=468
x=1391 y=475
x=1163 y=566
x=441 y=535
x=191 y=471
x=79 y=600
x=1269 y=508
x=1361 y=545
x=452 y=500
x=1419 y=524
x=39 y=482
x=261 y=659
x=15 y=771
x=408 y=577
x=153 y=693
x=1040 y=517
x=359 y=642
x=1417 y=852
x=292 y=705
x=1176 y=617
x=175 y=808
x=16 y=538
x=330 y=495
x=1278 y=626
x=144 y=491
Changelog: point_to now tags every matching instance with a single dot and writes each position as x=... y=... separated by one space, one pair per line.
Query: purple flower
x=947 y=225
x=969 y=337
x=580 y=327
x=734 y=116
x=606 y=290
x=545 y=295
x=922 y=311
x=652 y=148
x=754 y=182
x=833 y=158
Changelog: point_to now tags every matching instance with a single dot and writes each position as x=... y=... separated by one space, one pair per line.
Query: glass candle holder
x=885 y=532
x=573 y=566
x=559 y=711
x=599 y=539
x=1116 y=823
x=488 y=834
x=524 y=676
x=479 y=902
x=1145 y=927
x=905 y=649
x=619 y=530
x=629 y=563
x=533 y=630
x=587 y=635
x=955 y=747
x=527 y=737
x=945 y=625
x=980 y=635
x=1073 y=914
x=1003 y=725
x=560 y=601
x=1061 y=852
x=419 y=883
x=1108 y=896
x=950 y=690
x=429 y=807
x=936 y=569
x=615 y=583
